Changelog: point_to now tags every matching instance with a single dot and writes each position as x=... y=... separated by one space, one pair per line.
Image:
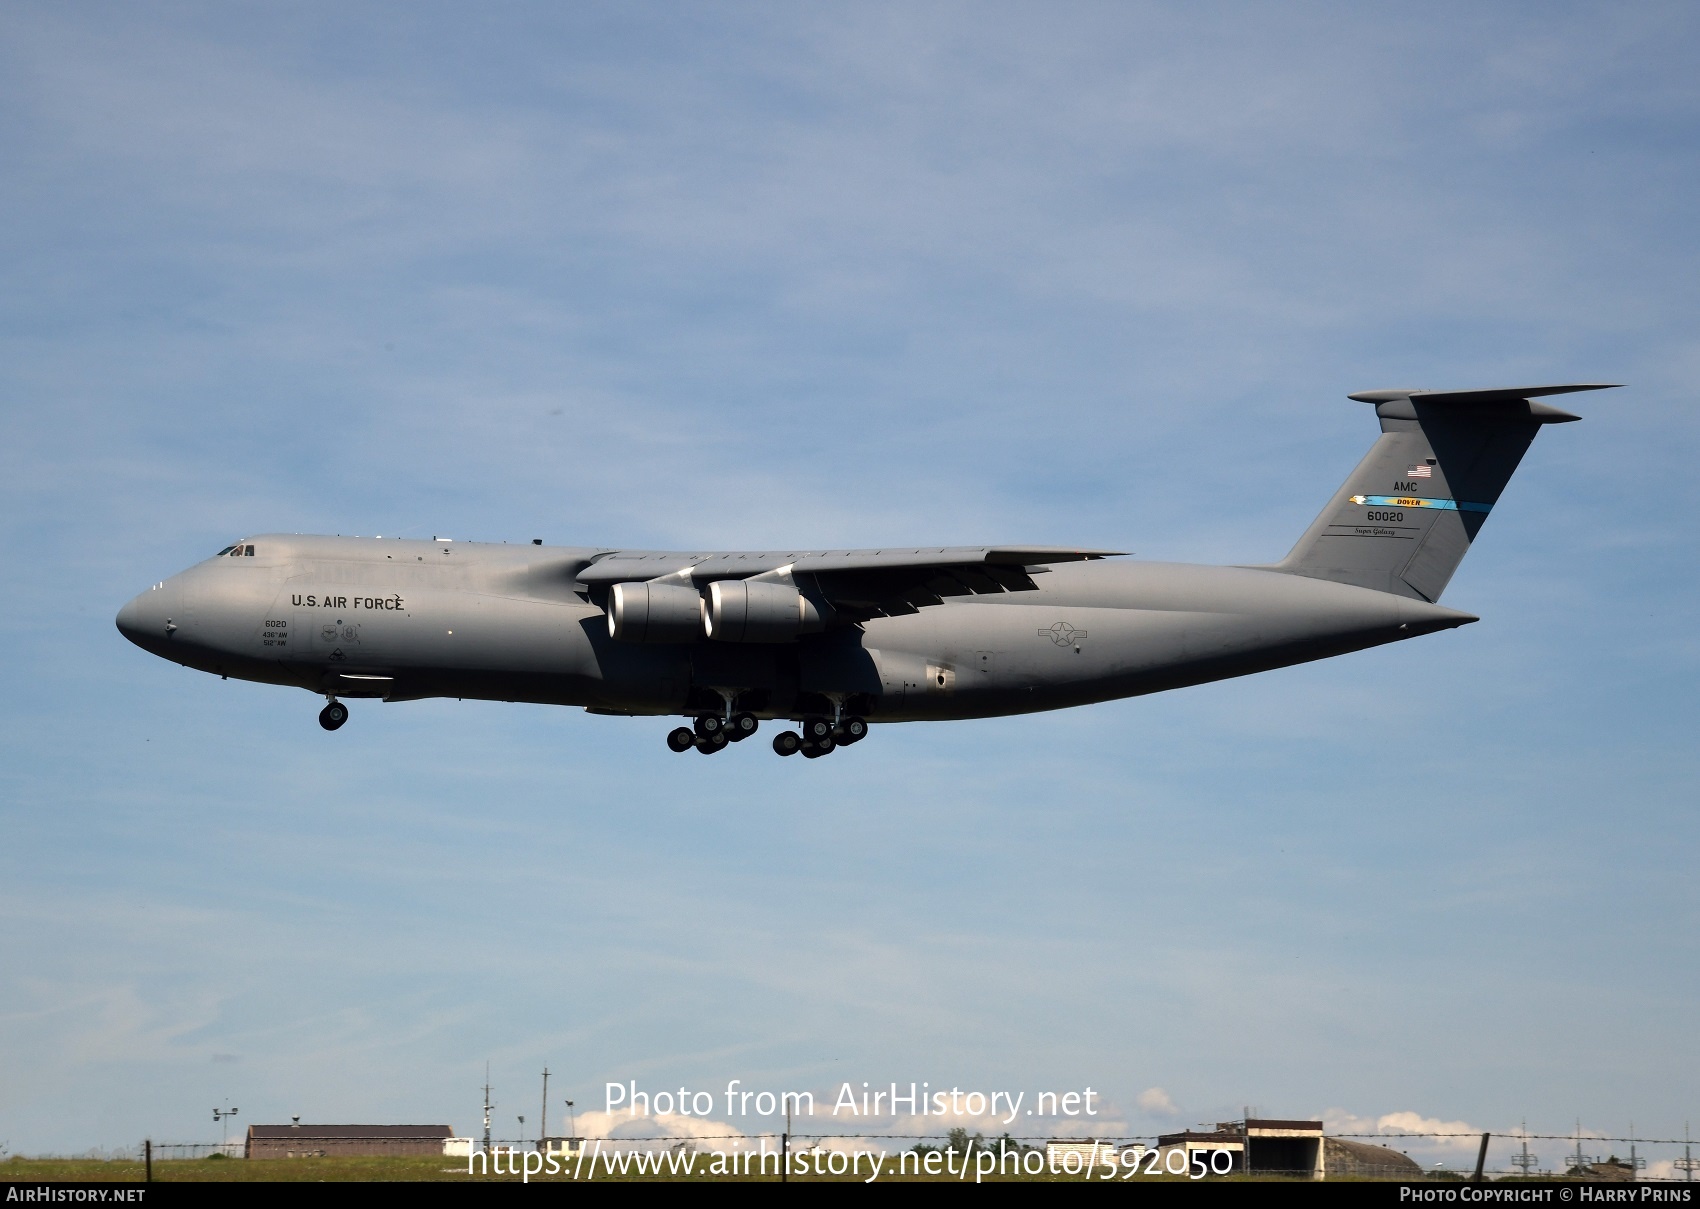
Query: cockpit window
x=248 y=551
x=237 y=551
x=224 y=551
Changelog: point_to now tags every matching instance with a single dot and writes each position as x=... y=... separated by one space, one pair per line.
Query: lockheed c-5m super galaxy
x=836 y=639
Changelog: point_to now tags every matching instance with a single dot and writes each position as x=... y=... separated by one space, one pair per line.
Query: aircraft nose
x=148 y=620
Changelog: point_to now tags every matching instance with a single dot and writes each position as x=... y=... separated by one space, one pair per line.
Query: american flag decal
x=1425 y=471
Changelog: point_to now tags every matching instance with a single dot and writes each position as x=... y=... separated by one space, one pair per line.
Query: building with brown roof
x=323 y=1141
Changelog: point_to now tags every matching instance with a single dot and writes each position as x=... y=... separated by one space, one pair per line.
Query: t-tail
x=1404 y=519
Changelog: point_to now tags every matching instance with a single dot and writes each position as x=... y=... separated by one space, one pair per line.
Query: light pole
x=572 y=1121
x=221 y=1116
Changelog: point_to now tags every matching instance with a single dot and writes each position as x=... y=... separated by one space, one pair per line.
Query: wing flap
x=995 y=561
x=858 y=584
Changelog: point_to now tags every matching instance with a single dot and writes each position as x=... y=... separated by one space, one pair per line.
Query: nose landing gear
x=333 y=715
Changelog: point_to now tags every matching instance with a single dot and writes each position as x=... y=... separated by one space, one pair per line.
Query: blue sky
x=747 y=275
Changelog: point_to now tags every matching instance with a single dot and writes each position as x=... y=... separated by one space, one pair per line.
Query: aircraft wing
x=859 y=583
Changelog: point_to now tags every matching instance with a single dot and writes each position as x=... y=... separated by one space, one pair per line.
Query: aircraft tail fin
x=1405 y=518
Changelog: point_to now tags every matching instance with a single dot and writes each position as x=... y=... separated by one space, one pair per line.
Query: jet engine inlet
x=741 y=611
x=646 y=612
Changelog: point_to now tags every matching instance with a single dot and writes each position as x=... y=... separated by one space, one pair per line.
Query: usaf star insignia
x=1062 y=634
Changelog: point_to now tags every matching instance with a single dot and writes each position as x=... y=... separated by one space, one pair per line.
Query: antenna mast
x=1687 y=1164
x=1525 y=1161
x=487 y=1107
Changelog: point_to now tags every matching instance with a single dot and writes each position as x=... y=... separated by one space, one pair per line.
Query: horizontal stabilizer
x=1399 y=404
x=1493 y=394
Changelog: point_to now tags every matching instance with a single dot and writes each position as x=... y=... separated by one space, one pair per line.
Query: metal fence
x=1519 y=1154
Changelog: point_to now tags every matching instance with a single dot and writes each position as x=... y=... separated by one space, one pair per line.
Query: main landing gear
x=821 y=736
x=333 y=715
x=713 y=733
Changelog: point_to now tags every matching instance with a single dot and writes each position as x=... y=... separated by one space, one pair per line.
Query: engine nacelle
x=743 y=611
x=646 y=612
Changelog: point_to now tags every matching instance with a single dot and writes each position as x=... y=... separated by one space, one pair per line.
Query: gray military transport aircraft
x=834 y=639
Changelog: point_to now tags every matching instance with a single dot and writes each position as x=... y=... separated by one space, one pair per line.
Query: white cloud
x=619 y=1126
x=1458 y=1135
x=1155 y=1100
x=1433 y=1133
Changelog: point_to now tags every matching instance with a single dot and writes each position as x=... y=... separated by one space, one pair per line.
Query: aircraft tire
x=851 y=730
x=817 y=729
x=709 y=746
x=787 y=743
x=333 y=715
x=681 y=739
x=822 y=747
x=710 y=725
x=742 y=727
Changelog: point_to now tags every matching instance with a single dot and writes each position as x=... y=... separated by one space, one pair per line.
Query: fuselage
x=409 y=619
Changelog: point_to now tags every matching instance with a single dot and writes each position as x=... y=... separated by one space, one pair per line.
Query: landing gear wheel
x=709 y=746
x=787 y=742
x=819 y=748
x=741 y=727
x=851 y=730
x=816 y=729
x=682 y=739
x=333 y=715
x=710 y=725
